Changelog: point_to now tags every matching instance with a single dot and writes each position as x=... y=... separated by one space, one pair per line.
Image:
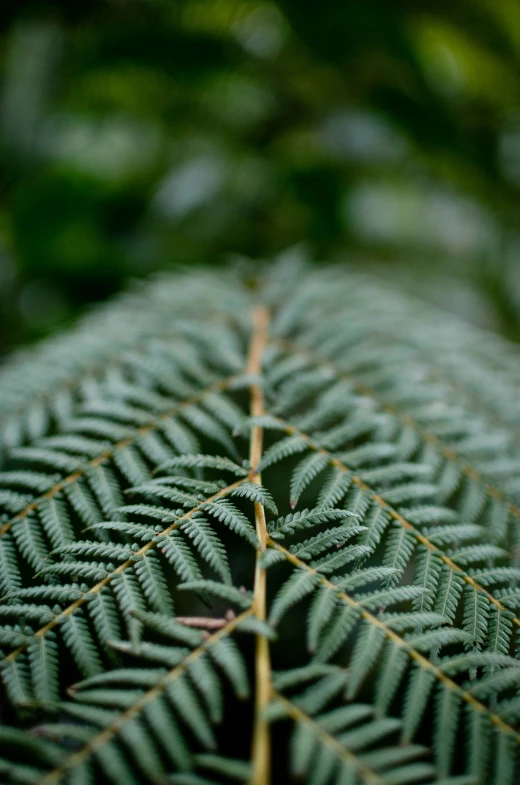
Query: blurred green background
x=136 y=134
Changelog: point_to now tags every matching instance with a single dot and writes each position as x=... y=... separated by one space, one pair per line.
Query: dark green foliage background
x=137 y=134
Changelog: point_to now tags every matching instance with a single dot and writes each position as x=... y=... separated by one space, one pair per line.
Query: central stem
x=261 y=753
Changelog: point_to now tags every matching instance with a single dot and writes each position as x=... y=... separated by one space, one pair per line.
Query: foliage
x=261 y=529
x=133 y=133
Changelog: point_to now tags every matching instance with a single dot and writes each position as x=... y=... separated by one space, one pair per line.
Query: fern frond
x=137 y=580
x=377 y=628
x=145 y=457
x=149 y=710
x=333 y=745
x=402 y=543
